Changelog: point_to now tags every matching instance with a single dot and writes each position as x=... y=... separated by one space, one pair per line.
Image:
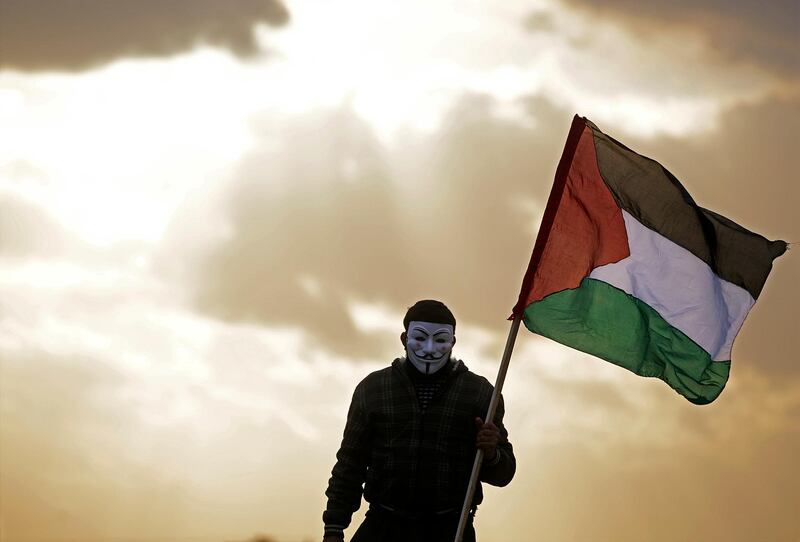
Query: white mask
x=428 y=345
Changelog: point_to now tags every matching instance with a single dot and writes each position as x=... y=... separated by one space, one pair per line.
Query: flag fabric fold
x=627 y=267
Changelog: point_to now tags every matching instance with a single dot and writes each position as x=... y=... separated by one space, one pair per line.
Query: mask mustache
x=430 y=357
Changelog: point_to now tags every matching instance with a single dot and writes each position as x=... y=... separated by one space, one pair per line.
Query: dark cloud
x=445 y=217
x=437 y=217
x=322 y=209
x=79 y=34
x=763 y=33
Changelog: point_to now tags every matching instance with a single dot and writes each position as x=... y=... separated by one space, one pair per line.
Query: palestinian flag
x=627 y=267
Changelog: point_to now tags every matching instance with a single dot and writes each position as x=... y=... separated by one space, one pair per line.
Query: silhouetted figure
x=411 y=437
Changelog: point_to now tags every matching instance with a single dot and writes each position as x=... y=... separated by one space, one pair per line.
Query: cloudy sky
x=213 y=215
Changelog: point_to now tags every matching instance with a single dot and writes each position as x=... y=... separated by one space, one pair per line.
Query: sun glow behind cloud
x=120 y=147
x=396 y=76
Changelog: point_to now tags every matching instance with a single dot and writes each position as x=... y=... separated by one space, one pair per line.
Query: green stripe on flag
x=602 y=320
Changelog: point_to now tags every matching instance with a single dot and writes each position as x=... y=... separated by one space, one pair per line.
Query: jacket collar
x=399 y=364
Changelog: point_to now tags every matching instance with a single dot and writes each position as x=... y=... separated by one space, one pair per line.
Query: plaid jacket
x=410 y=460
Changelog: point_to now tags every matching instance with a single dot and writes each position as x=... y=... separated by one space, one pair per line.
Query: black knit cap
x=429 y=310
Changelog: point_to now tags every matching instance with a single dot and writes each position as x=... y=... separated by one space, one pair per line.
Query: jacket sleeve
x=500 y=471
x=348 y=474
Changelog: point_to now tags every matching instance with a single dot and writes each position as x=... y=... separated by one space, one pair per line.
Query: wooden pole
x=498 y=387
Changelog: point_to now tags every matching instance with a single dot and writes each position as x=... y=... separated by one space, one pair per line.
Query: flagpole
x=575 y=131
x=498 y=388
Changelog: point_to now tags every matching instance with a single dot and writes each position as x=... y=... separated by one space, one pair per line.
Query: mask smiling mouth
x=430 y=357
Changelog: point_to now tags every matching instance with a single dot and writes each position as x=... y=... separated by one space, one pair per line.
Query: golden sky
x=213 y=215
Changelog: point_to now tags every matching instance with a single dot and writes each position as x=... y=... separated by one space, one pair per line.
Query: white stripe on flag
x=681 y=288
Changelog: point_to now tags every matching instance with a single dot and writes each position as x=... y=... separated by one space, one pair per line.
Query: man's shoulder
x=379 y=376
x=477 y=388
x=476 y=379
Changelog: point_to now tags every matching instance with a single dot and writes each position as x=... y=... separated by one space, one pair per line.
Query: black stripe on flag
x=649 y=192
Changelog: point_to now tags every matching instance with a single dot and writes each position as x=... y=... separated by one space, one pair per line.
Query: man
x=411 y=437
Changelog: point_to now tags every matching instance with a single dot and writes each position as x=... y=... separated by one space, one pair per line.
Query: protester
x=411 y=435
